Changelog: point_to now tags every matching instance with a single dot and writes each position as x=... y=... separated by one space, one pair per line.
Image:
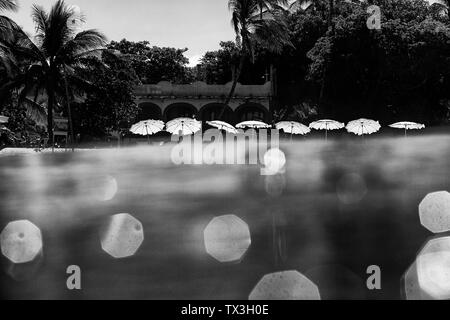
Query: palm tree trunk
x=233 y=87
x=50 y=104
x=69 y=113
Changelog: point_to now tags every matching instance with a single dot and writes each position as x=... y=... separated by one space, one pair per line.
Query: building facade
x=167 y=101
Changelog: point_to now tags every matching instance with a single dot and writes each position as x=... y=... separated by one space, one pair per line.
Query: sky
x=198 y=25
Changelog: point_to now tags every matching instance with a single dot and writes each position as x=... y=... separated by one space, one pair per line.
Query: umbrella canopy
x=221 y=125
x=326 y=124
x=253 y=124
x=183 y=126
x=292 y=127
x=147 y=127
x=4 y=119
x=363 y=126
x=407 y=125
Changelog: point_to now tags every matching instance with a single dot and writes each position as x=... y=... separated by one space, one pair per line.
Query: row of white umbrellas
x=359 y=127
x=180 y=126
x=187 y=126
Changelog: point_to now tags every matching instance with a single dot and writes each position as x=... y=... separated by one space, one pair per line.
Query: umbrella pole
x=326 y=134
x=405 y=132
x=148 y=137
x=292 y=129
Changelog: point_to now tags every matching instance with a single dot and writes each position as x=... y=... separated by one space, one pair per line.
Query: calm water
x=338 y=208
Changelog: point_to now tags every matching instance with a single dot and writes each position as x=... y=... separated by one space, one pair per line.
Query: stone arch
x=148 y=110
x=180 y=109
x=211 y=111
x=251 y=111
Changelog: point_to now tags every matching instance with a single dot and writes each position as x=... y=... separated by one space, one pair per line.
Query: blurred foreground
x=339 y=207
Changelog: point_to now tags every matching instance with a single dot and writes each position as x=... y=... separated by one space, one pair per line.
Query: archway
x=148 y=110
x=251 y=111
x=181 y=109
x=212 y=111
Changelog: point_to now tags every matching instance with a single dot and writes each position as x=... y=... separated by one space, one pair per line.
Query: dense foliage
x=153 y=64
x=402 y=70
x=109 y=105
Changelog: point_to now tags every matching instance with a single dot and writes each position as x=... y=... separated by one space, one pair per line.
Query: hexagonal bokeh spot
x=21 y=241
x=122 y=236
x=411 y=289
x=108 y=188
x=434 y=211
x=227 y=238
x=433 y=268
x=285 y=285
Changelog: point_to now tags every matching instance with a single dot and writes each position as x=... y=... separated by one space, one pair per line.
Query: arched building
x=166 y=101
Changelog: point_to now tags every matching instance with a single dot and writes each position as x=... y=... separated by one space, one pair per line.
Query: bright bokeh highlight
x=433 y=268
x=21 y=241
x=122 y=236
x=227 y=238
x=285 y=285
x=434 y=211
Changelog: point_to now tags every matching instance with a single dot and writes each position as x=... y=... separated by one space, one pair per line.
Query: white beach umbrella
x=407 y=125
x=326 y=124
x=363 y=126
x=221 y=125
x=253 y=124
x=147 y=127
x=183 y=126
x=292 y=127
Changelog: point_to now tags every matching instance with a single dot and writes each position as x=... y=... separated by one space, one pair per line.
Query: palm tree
x=8 y=5
x=6 y=24
x=47 y=64
x=266 y=5
x=254 y=26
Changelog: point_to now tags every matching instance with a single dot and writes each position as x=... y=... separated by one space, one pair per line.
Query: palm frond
x=40 y=19
x=35 y=111
x=86 y=43
x=272 y=35
x=8 y=5
x=53 y=29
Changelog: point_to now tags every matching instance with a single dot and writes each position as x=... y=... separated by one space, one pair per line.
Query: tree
x=109 y=106
x=153 y=64
x=253 y=28
x=215 y=67
x=5 y=22
x=46 y=66
x=267 y=5
x=400 y=71
x=6 y=29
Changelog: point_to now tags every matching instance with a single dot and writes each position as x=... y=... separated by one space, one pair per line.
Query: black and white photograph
x=224 y=154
